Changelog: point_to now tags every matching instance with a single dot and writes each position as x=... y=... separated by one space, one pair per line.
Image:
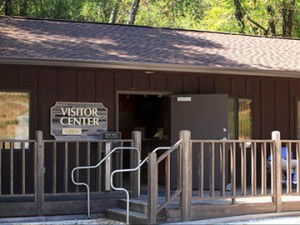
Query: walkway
x=272 y=218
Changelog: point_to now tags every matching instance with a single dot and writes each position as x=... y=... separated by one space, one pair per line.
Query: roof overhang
x=148 y=67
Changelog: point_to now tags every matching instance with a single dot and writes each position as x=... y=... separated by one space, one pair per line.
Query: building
x=134 y=70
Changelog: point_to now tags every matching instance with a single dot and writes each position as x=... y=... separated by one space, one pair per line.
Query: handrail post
x=152 y=188
x=134 y=162
x=278 y=170
x=108 y=148
x=39 y=171
x=186 y=185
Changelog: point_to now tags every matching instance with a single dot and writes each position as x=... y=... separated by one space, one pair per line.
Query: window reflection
x=14 y=115
x=239 y=118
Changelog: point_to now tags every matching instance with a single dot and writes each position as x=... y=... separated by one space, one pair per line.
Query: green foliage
x=220 y=17
x=184 y=14
x=262 y=17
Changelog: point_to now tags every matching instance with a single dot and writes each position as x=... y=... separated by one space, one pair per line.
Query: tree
x=239 y=14
x=134 y=10
x=259 y=17
x=266 y=17
x=8 y=7
x=115 y=11
x=287 y=12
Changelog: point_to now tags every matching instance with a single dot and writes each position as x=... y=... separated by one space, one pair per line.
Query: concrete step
x=137 y=212
x=134 y=205
x=118 y=214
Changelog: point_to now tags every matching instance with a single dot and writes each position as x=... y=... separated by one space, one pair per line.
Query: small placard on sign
x=111 y=135
x=71 y=131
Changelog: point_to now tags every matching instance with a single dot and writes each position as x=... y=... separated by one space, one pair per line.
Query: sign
x=111 y=135
x=72 y=121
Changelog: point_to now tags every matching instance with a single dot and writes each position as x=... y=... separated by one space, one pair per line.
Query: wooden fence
x=214 y=178
x=35 y=175
x=217 y=178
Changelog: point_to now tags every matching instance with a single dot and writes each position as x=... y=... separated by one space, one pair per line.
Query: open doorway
x=147 y=113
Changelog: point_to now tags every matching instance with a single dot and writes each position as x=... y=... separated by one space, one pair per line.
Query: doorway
x=148 y=113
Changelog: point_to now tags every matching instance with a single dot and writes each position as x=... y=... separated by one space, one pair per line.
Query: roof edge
x=148 y=67
x=145 y=26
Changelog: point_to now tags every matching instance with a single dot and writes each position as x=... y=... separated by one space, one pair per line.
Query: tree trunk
x=271 y=21
x=114 y=12
x=287 y=18
x=8 y=8
x=134 y=9
x=23 y=8
x=239 y=13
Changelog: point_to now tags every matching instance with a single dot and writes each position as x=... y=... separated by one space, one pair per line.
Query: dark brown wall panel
x=273 y=98
x=67 y=86
x=253 y=86
x=158 y=82
x=28 y=81
x=123 y=80
x=207 y=85
x=222 y=85
x=253 y=91
x=28 y=78
x=140 y=81
x=105 y=93
x=282 y=108
x=86 y=84
x=294 y=96
x=238 y=85
x=175 y=83
x=190 y=84
x=47 y=97
x=267 y=108
x=8 y=77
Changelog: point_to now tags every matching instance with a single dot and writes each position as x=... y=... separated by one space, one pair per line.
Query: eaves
x=142 y=66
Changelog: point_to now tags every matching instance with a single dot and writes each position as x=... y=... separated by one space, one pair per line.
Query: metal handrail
x=93 y=167
x=115 y=171
x=132 y=170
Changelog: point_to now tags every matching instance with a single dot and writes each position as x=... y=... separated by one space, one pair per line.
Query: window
x=240 y=118
x=14 y=115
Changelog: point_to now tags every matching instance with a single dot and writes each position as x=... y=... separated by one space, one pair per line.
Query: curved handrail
x=135 y=169
x=170 y=149
x=93 y=167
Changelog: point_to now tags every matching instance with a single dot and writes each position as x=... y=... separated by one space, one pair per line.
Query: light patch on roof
x=74 y=41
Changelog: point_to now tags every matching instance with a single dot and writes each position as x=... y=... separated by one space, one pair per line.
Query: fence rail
x=225 y=173
x=38 y=171
x=10 y=152
x=230 y=164
x=205 y=170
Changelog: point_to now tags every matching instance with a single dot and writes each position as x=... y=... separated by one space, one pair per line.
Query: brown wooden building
x=133 y=70
x=76 y=61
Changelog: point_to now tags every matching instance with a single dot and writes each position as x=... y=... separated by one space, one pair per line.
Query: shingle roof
x=79 y=41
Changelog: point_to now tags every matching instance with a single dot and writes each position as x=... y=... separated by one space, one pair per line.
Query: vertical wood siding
x=282 y=103
x=273 y=98
x=294 y=88
x=267 y=93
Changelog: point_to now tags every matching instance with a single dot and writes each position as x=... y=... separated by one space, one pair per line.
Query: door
x=206 y=116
